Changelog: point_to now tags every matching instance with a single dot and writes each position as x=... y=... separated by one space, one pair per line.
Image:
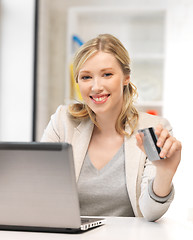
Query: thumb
x=139 y=143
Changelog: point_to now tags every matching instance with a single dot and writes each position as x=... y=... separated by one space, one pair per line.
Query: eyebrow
x=102 y=70
x=84 y=71
x=105 y=69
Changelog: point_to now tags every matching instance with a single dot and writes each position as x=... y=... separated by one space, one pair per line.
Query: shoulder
x=146 y=120
x=62 y=125
x=63 y=116
x=66 y=122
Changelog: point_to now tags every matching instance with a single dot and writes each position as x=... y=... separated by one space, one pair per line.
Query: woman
x=114 y=176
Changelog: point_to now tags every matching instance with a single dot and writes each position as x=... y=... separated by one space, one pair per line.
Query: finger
x=139 y=138
x=176 y=146
x=158 y=129
x=162 y=138
x=167 y=147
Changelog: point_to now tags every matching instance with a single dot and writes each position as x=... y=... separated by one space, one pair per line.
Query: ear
x=126 y=80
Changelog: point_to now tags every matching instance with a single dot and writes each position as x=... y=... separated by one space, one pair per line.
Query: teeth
x=99 y=99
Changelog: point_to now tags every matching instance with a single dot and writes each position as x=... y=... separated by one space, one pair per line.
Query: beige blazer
x=139 y=170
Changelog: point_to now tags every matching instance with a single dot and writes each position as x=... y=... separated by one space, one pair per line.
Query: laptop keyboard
x=88 y=220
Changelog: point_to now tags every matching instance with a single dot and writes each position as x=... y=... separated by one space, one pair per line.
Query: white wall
x=16 y=81
x=178 y=97
x=54 y=72
x=16 y=76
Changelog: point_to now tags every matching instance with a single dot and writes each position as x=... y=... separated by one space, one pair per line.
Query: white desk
x=115 y=229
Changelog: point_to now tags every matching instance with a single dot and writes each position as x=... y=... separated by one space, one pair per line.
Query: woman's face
x=101 y=81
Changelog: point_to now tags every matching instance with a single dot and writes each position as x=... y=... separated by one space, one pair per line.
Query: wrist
x=157 y=198
x=162 y=183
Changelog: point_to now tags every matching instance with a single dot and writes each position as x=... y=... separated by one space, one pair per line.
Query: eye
x=108 y=74
x=85 y=77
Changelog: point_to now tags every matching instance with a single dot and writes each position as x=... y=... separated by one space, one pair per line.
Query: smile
x=100 y=99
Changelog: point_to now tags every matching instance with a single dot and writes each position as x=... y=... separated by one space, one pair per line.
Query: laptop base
x=88 y=223
x=39 y=229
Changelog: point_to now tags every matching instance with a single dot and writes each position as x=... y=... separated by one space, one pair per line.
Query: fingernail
x=162 y=154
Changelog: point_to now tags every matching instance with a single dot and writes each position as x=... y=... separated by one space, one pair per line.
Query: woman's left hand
x=165 y=168
x=171 y=150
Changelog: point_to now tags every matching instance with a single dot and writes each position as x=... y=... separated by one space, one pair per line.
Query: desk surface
x=117 y=228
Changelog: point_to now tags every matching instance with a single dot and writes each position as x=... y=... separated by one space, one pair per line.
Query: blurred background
x=39 y=37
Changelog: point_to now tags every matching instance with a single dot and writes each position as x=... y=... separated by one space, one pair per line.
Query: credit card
x=150 y=143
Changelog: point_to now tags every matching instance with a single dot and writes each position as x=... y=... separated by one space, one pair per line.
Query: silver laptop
x=38 y=190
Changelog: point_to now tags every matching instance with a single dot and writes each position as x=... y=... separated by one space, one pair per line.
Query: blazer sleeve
x=151 y=206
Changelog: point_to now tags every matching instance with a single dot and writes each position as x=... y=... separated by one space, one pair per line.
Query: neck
x=107 y=124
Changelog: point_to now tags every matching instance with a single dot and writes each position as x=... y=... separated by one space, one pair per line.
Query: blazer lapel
x=80 y=141
x=132 y=160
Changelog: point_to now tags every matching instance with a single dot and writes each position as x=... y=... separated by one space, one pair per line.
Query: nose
x=97 y=85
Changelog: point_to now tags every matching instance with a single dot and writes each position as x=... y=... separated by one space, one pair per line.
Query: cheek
x=83 y=89
x=117 y=86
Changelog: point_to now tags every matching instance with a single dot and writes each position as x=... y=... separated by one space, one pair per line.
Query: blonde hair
x=109 y=44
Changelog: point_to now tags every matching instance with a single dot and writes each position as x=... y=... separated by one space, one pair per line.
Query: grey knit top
x=103 y=192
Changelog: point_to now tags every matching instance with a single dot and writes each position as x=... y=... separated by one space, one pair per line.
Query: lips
x=98 y=99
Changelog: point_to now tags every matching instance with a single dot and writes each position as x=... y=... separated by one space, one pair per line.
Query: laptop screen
x=38 y=186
